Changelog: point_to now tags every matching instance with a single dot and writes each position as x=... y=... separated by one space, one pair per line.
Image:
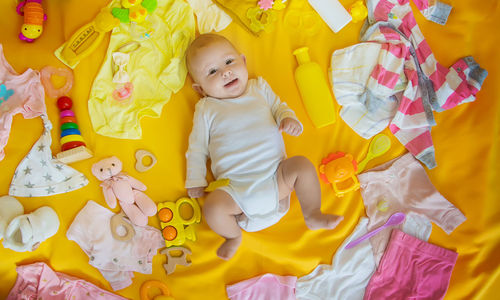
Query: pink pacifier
x=124 y=92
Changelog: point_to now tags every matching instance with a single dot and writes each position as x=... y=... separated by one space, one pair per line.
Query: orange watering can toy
x=339 y=169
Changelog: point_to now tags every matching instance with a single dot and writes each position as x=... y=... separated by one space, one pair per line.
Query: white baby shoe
x=26 y=232
x=10 y=208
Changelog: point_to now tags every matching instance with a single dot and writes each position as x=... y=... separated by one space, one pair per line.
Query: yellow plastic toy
x=134 y=10
x=314 y=90
x=339 y=169
x=84 y=41
x=146 y=286
x=174 y=228
x=358 y=11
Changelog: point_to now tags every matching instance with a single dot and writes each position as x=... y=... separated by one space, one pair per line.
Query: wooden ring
x=139 y=155
x=118 y=220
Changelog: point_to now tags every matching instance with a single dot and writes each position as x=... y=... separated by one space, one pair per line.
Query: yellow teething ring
x=71 y=138
x=194 y=205
x=146 y=286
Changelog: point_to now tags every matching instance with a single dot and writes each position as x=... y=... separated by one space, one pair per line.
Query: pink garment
x=401 y=185
x=265 y=287
x=27 y=97
x=39 y=281
x=116 y=260
x=411 y=269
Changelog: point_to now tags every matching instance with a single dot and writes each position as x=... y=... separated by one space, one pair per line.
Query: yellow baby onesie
x=154 y=64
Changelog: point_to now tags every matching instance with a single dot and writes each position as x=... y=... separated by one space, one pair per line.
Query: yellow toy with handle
x=339 y=169
x=175 y=229
x=84 y=41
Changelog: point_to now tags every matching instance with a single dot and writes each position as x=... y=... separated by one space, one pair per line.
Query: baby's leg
x=220 y=211
x=299 y=173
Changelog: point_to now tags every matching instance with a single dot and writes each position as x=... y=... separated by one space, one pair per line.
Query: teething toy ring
x=139 y=155
x=118 y=220
x=146 y=286
x=46 y=75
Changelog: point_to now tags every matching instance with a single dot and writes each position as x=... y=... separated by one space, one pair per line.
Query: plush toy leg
x=134 y=214
x=145 y=203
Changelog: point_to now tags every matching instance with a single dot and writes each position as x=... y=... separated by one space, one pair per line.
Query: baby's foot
x=319 y=221
x=228 y=248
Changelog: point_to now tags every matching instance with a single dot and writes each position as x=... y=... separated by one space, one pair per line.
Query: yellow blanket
x=467 y=141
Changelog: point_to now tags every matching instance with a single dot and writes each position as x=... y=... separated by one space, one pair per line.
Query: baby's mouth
x=231 y=83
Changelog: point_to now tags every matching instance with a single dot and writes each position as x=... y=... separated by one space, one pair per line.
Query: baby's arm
x=284 y=116
x=197 y=154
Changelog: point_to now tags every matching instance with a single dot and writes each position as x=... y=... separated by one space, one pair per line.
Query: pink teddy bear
x=118 y=185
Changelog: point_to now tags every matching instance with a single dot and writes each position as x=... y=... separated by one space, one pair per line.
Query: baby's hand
x=196 y=192
x=290 y=126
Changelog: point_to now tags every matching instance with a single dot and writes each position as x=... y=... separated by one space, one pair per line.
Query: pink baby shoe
x=26 y=232
x=10 y=208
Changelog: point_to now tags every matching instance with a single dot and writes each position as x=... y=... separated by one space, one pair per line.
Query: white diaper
x=259 y=201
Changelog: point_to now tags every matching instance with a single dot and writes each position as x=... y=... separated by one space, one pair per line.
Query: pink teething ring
x=46 y=75
x=67 y=113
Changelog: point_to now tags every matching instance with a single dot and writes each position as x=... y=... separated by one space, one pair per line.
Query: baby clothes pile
x=115 y=259
x=397 y=263
x=393 y=79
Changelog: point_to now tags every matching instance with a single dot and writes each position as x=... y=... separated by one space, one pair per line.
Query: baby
x=238 y=124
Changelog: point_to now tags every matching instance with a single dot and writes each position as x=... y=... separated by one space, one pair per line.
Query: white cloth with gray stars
x=39 y=174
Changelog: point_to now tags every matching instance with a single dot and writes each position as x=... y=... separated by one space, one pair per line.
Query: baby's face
x=219 y=71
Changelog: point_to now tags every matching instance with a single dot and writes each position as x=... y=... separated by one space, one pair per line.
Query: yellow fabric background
x=467 y=141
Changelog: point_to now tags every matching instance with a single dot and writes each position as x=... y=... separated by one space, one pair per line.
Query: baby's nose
x=227 y=73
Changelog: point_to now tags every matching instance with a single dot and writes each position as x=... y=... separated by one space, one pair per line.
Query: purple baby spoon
x=395 y=219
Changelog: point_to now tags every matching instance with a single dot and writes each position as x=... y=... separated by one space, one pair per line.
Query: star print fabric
x=39 y=174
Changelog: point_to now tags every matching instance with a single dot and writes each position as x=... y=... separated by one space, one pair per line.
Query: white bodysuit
x=242 y=139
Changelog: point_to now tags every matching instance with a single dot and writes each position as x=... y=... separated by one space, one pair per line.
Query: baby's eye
x=212 y=71
x=229 y=61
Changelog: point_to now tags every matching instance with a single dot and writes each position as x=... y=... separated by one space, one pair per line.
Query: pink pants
x=411 y=269
x=39 y=281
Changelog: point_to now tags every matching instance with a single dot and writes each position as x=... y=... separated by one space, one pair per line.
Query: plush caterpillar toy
x=34 y=16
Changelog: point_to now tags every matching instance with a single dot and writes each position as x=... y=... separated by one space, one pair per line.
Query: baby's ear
x=198 y=89
x=244 y=59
